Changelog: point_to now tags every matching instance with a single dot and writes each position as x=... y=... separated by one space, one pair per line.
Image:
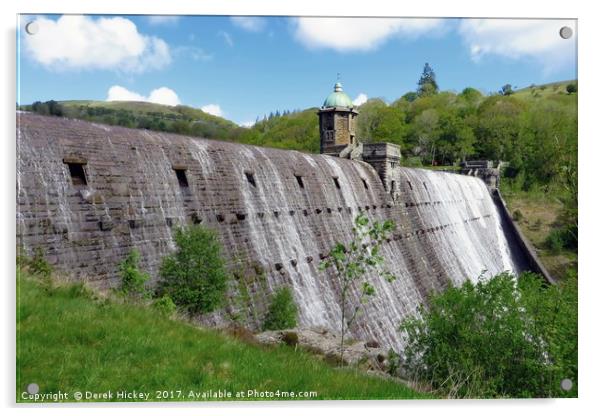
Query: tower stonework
x=338 y=119
x=337 y=122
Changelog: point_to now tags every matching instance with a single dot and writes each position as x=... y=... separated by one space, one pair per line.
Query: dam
x=87 y=194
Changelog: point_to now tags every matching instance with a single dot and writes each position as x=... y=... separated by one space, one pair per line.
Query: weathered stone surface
x=447 y=225
x=327 y=343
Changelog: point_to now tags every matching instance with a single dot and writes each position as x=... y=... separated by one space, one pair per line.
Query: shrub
x=496 y=338
x=38 y=265
x=132 y=279
x=571 y=88
x=164 y=305
x=561 y=238
x=517 y=215
x=282 y=312
x=194 y=276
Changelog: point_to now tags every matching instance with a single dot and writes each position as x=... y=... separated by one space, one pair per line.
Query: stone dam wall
x=88 y=193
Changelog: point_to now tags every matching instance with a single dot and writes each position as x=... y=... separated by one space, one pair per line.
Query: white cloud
x=118 y=93
x=360 y=99
x=192 y=52
x=162 y=95
x=247 y=124
x=249 y=23
x=214 y=109
x=348 y=34
x=81 y=42
x=163 y=20
x=519 y=38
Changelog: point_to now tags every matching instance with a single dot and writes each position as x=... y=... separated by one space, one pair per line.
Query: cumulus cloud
x=192 y=52
x=213 y=109
x=520 y=38
x=81 y=42
x=363 y=34
x=360 y=99
x=163 y=20
x=249 y=23
x=162 y=95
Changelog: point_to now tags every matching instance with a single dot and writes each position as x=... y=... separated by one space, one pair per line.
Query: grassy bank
x=537 y=216
x=69 y=339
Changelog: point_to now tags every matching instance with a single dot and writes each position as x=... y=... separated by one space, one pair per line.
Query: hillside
x=71 y=339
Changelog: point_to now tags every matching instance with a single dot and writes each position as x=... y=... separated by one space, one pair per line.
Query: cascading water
x=276 y=211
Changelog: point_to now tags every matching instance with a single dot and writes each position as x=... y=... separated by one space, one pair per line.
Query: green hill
x=70 y=339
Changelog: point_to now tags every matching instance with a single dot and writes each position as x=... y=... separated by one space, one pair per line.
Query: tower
x=337 y=122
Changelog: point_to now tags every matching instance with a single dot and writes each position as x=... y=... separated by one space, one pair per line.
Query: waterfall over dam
x=87 y=194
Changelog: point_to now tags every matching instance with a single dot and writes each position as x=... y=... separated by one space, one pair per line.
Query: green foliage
x=282 y=312
x=506 y=90
x=165 y=305
x=427 y=84
x=561 y=238
x=38 y=265
x=517 y=215
x=194 y=276
x=132 y=278
x=352 y=262
x=571 y=88
x=496 y=338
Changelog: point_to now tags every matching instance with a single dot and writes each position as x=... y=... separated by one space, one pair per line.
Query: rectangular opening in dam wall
x=336 y=182
x=300 y=181
x=251 y=178
x=182 y=179
x=78 y=175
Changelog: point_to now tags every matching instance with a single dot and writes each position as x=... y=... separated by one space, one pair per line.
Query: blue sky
x=241 y=68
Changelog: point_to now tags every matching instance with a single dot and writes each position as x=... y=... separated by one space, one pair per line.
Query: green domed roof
x=338 y=98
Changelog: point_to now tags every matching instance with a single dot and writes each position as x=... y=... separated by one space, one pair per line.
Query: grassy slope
x=70 y=341
x=545 y=209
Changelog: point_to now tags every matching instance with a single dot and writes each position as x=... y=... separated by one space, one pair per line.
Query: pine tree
x=427 y=85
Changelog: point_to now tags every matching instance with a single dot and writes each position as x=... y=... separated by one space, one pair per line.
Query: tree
x=571 y=88
x=427 y=84
x=194 y=276
x=506 y=90
x=132 y=278
x=282 y=312
x=351 y=263
x=410 y=96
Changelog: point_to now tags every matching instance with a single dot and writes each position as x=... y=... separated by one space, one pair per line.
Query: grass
x=70 y=339
x=539 y=215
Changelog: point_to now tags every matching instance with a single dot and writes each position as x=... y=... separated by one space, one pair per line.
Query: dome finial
x=338 y=87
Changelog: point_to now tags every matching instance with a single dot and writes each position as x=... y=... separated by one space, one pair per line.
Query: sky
x=241 y=68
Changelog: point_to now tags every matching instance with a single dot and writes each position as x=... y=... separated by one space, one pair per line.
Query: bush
x=517 y=215
x=571 y=88
x=496 y=338
x=38 y=265
x=164 y=305
x=282 y=312
x=194 y=276
x=132 y=279
x=561 y=238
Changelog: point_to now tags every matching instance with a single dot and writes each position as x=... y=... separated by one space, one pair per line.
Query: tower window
x=336 y=182
x=78 y=175
x=182 y=179
x=251 y=178
x=365 y=183
x=300 y=181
